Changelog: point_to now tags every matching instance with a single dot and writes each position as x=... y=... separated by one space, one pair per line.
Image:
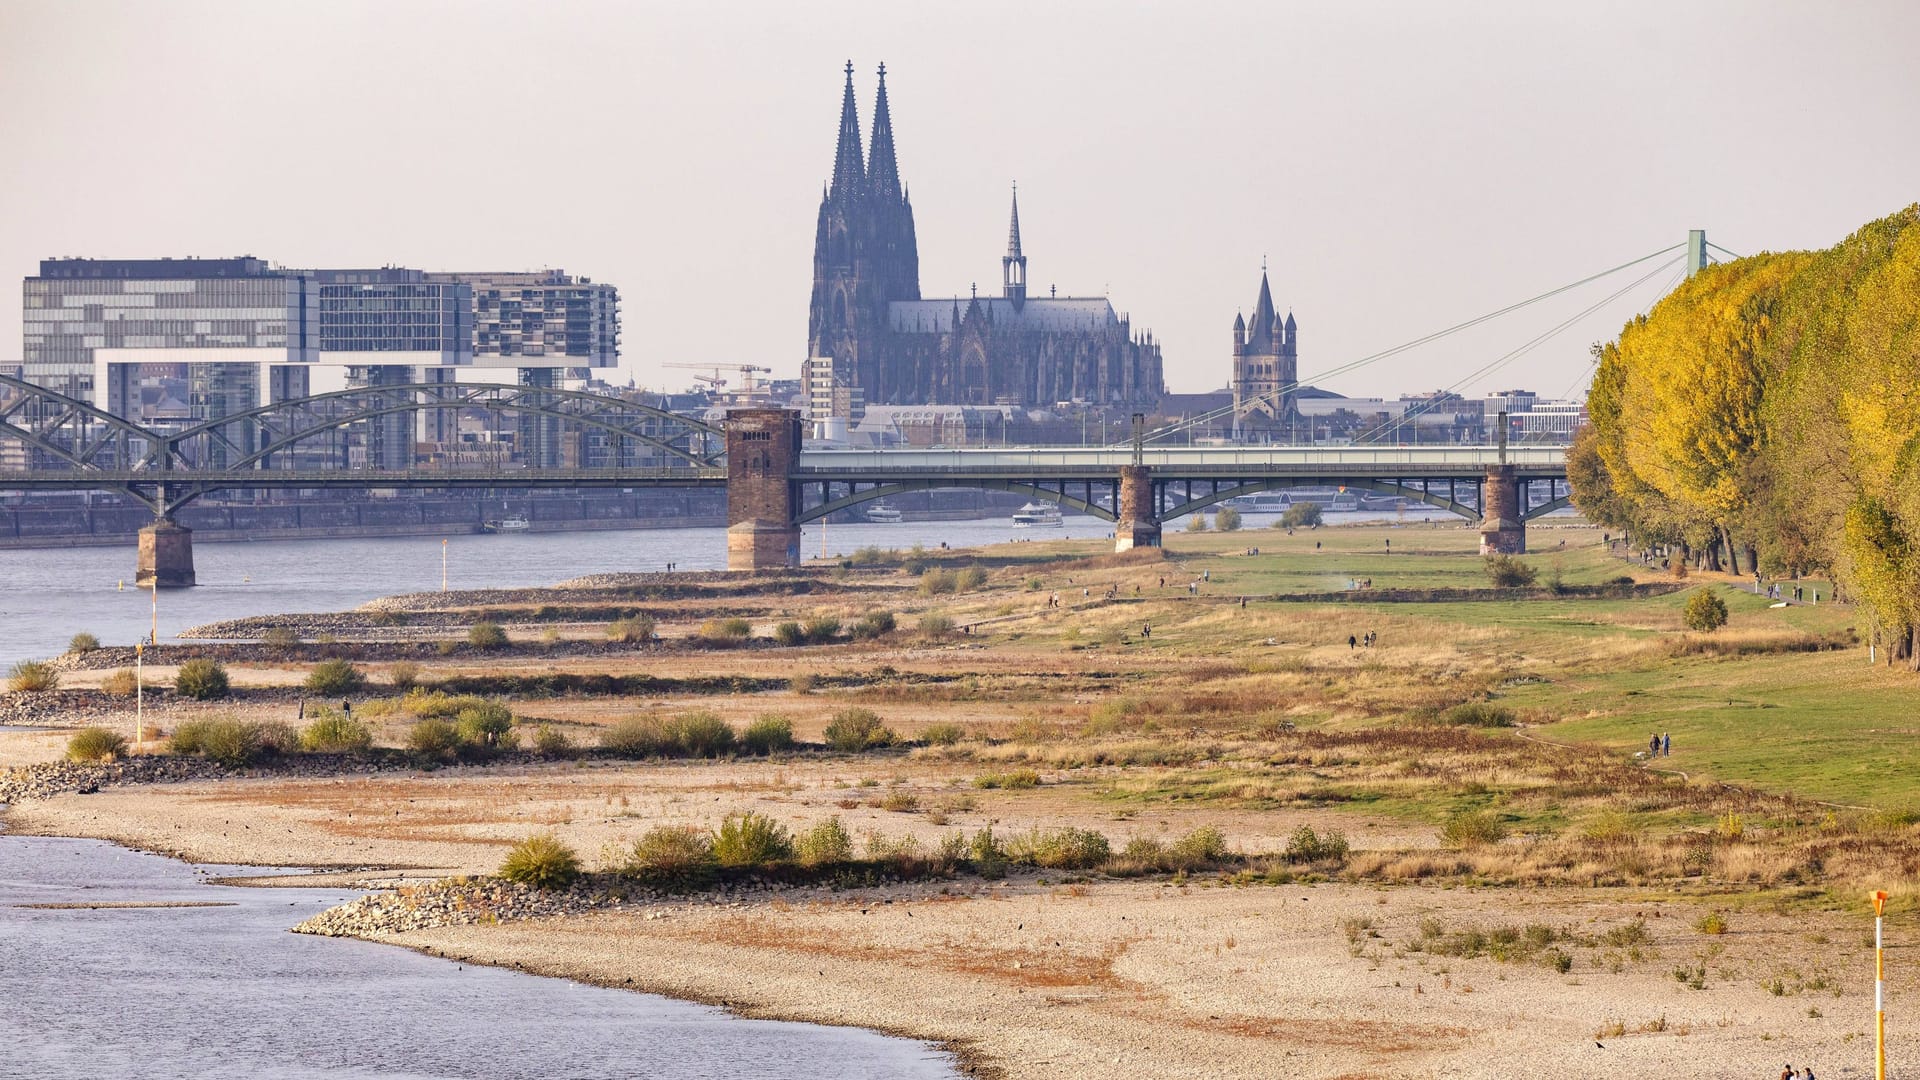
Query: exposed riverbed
x=222 y=989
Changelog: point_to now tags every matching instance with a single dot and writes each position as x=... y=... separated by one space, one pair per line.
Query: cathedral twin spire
x=876 y=173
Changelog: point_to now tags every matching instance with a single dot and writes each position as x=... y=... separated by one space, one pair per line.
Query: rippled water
x=227 y=992
x=48 y=595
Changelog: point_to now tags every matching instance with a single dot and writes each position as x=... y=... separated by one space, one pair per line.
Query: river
x=49 y=594
x=162 y=992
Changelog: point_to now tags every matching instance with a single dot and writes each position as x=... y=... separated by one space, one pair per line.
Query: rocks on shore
x=455 y=902
x=49 y=778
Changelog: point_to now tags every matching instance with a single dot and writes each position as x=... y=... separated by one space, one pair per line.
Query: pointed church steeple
x=1013 y=267
x=849 y=170
x=883 y=173
x=1260 y=328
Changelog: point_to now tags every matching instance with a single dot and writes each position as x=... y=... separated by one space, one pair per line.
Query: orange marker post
x=1879 y=898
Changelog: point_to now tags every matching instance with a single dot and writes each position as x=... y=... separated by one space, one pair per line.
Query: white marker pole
x=443 y=566
x=139 y=691
x=1879 y=989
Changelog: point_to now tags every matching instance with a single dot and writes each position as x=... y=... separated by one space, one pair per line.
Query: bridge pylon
x=1135 y=525
x=166 y=555
x=763 y=501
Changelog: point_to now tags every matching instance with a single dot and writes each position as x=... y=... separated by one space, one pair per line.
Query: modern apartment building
x=544 y=321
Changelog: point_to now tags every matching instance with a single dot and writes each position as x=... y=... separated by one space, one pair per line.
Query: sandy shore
x=1039 y=978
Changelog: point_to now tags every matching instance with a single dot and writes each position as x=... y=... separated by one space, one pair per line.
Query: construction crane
x=716 y=380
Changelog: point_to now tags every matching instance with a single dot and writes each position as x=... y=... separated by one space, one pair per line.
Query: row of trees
x=1766 y=414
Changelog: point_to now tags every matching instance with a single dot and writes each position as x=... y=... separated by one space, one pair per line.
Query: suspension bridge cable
x=1724 y=251
x=1495 y=365
x=1354 y=365
x=1586 y=375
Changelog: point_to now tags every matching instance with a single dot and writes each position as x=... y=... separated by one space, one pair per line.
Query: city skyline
x=1397 y=175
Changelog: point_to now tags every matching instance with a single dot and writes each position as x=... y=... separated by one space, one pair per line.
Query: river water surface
x=226 y=991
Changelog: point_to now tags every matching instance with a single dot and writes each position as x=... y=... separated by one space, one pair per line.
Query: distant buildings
x=186 y=340
x=1266 y=364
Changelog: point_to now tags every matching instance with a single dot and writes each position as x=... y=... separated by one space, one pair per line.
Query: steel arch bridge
x=321 y=440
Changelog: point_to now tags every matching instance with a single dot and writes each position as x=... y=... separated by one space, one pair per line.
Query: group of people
x=1790 y=1073
x=1660 y=745
x=1364 y=641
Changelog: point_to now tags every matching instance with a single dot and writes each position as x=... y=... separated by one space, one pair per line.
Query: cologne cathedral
x=896 y=347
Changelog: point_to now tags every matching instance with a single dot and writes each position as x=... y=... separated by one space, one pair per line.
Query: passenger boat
x=882 y=514
x=512 y=524
x=1037 y=516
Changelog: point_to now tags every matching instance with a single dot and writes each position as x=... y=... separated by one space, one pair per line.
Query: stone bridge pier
x=166 y=555
x=1503 y=528
x=1135 y=524
x=763 y=502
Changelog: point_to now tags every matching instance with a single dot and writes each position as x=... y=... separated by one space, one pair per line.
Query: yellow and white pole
x=155 y=638
x=1879 y=988
x=443 y=566
x=139 y=691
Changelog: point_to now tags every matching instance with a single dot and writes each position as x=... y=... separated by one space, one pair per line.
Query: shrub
x=942 y=734
x=433 y=737
x=1472 y=828
x=632 y=630
x=939 y=582
x=447 y=647
x=1306 y=846
x=973 y=577
x=1061 y=849
x=201 y=680
x=1508 y=572
x=670 y=857
x=1713 y=922
x=550 y=741
x=32 y=677
x=82 y=642
x=1013 y=781
x=702 y=734
x=335 y=677
x=872 y=625
x=1227 y=519
x=541 y=861
x=1203 y=846
x=822 y=628
x=900 y=802
x=790 y=633
x=856 y=729
x=335 y=733
x=425 y=703
x=486 y=723
x=751 y=839
x=1300 y=515
x=639 y=735
x=95 y=744
x=122 y=683
x=1479 y=714
x=726 y=631
x=403 y=675
x=936 y=624
x=767 y=734
x=281 y=637
x=1705 y=611
x=487 y=635
x=826 y=842
x=233 y=743
x=988 y=855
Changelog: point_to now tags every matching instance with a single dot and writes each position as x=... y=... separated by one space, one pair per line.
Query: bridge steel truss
x=307 y=443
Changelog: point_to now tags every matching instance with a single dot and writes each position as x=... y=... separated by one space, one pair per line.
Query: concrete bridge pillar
x=1503 y=531
x=166 y=555
x=763 y=446
x=1136 y=525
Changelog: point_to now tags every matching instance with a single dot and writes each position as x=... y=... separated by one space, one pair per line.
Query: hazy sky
x=1402 y=165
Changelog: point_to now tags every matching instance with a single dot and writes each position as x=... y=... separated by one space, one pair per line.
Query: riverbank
x=1414 y=870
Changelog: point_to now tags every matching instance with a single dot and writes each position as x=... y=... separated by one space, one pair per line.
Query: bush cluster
x=83 y=642
x=1704 y=611
x=751 y=839
x=32 y=677
x=1479 y=714
x=335 y=733
x=854 y=730
x=936 y=624
x=732 y=631
x=403 y=675
x=1060 y=849
x=201 y=680
x=542 y=861
x=1507 y=572
x=233 y=743
x=1300 y=515
x=1227 y=519
x=122 y=683
x=1307 y=846
x=695 y=734
x=335 y=677
x=767 y=735
x=872 y=625
x=487 y=635
x=674 y=858
x=1200 y=849
x=632 y=630
x=1473 y=828
x=91 y=744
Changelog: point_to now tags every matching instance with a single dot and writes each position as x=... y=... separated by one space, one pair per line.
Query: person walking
x=1352 y=642
x=346 y=707
x=1666 y=744
x=1653 y=745
x=1146 y=630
